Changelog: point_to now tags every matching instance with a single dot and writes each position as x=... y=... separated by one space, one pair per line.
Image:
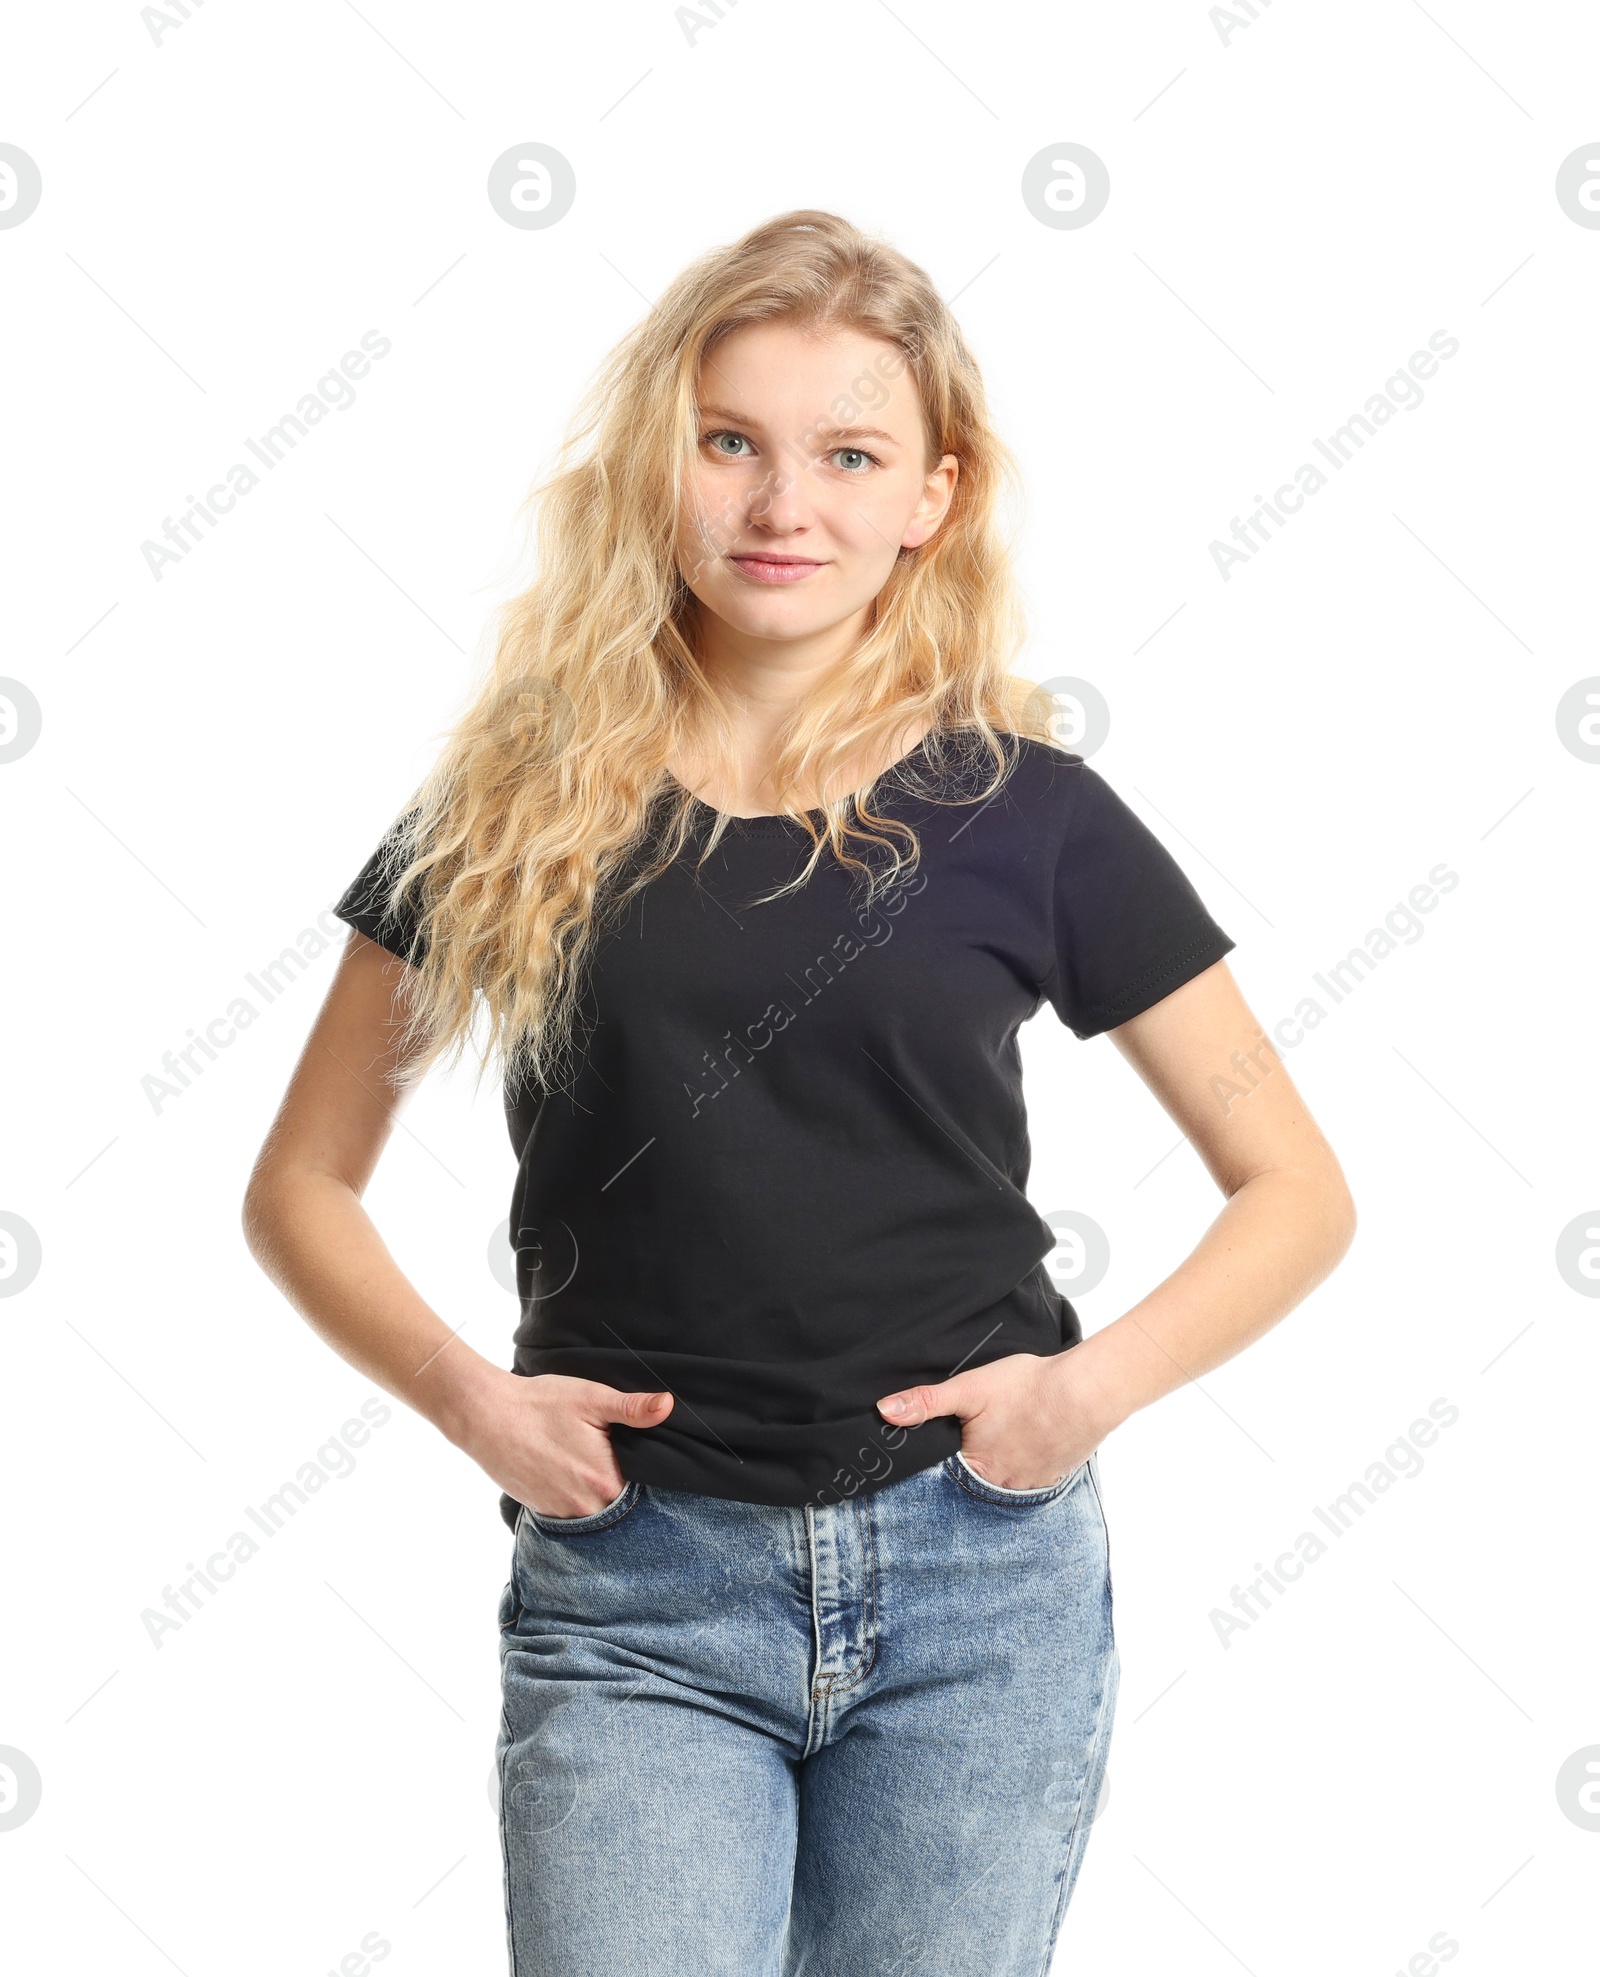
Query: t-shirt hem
x=376 y=930
x=658 y=1474
x=1190 y=960
x=855 y=1466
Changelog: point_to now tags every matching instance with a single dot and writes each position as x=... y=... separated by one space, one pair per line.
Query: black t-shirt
x=789 y=1174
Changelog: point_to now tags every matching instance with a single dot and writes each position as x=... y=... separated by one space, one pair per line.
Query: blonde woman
x=754 y=856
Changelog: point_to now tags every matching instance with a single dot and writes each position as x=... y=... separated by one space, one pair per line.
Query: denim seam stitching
x=505 y=1853
x=817 y=1691
x=833 y=1685
x=1106 y=1528
x=1021 y=1498
x=500 y=1812
x=1072 y=1837
x=516 y=1548
x=576 y=1527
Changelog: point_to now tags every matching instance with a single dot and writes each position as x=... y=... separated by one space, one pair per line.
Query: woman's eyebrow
x=832 y=432
x=855 y=432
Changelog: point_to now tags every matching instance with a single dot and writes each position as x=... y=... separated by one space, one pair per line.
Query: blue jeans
x=858 y=1740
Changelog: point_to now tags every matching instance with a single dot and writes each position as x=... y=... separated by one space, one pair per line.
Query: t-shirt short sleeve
x=1129 y=927
x=365 y=903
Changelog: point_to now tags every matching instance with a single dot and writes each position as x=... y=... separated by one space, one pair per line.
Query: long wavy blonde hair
x=551 y=802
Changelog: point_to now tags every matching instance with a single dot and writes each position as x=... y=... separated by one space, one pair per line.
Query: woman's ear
x=938 y=490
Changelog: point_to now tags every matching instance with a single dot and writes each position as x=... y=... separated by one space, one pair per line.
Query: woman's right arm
x=543 y=1440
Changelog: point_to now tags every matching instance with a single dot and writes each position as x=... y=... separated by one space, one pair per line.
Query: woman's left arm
x=1288 y=1219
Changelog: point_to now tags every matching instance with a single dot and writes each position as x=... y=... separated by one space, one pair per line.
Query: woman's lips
x=769 y=569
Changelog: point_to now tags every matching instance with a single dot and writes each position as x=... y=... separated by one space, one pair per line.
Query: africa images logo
x=1402 y=392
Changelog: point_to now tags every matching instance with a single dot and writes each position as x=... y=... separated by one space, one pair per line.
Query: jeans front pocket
x=597 y=1520
x=962 y=1472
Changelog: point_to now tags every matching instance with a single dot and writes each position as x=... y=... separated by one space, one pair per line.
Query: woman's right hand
x=543 y=1438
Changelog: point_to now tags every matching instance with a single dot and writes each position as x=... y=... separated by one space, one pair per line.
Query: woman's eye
x=857 y=460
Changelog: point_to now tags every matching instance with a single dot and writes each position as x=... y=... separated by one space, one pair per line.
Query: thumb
x=911 y=1406
x=637 y=1410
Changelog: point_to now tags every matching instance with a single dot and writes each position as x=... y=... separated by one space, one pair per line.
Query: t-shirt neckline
x=771 y=822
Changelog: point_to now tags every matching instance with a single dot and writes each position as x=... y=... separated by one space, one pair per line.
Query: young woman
x=754 y=856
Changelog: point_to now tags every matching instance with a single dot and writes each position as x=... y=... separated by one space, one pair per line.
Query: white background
x=1296 y=206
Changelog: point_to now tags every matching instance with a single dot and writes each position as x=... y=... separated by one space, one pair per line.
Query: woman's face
x=812 y=475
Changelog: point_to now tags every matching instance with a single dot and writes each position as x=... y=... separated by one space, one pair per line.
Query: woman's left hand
x=1025 y=1422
